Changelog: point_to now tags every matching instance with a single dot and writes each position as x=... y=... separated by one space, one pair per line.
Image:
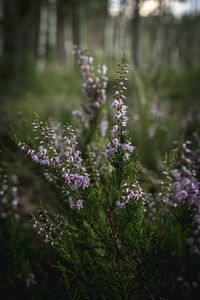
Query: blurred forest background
x=38 y=72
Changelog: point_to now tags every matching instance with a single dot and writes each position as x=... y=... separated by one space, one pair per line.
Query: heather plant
x=92 y=213
x=183 y=192
x=15 y=265
x=9 y=197
x=180 y=202
x=94 y=92
x=110 y=243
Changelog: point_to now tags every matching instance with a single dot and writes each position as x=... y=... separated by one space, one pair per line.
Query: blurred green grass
x=162 y=106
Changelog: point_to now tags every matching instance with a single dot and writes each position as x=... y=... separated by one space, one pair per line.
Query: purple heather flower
x=182 y=195
x=190 y=241
x=79 y=204
x=186 y=171
x=114 y=104
x=115 y=127
x=71 y=203
x=116 y=142
x=125 y=118
x=126 y=157
x=130 y=193
x=118 y=115
x=121 y=204
x=35 y=158
x=186 y=181
x=175 y=173
x=124 y=108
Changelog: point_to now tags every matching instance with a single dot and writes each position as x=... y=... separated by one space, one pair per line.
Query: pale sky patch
x=147 y=7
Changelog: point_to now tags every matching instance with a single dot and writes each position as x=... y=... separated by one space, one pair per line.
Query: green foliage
x=102 y=250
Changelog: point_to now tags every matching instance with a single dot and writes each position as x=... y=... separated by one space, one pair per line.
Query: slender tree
x=136 y=33
x=42 y=38
x=1 y=28
x=121 y=29
x=20 y=24
x=76 y=22
x=61 y=51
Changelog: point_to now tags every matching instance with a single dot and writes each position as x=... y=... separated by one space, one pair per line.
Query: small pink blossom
x=126 y=157
x=79 y=204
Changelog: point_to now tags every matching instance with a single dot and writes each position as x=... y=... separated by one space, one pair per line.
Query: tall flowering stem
x=95 y=83
x=120 y=153
x=120 y=150
x=94 y=92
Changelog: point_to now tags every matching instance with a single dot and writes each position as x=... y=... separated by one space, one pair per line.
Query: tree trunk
x=83 y=26
x=156 y=56
x=42 y=40
x=108 y=36
x=1 y=28
x=136 y=33
x=121 y=31
x=14 y=28
x=31 y=26
x=76 y=22
x=197 y=37
x=61 y=51
x=52 y=30
x=20 y=23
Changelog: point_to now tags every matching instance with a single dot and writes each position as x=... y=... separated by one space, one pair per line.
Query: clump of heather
x=14 y=260
x=183 y=192
x=63 y=167
x=94 y=200
x=51 y=229
x=109 y=239
x=94 y=92
x=94 y=86
x=128 y=193
x=9 y=197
